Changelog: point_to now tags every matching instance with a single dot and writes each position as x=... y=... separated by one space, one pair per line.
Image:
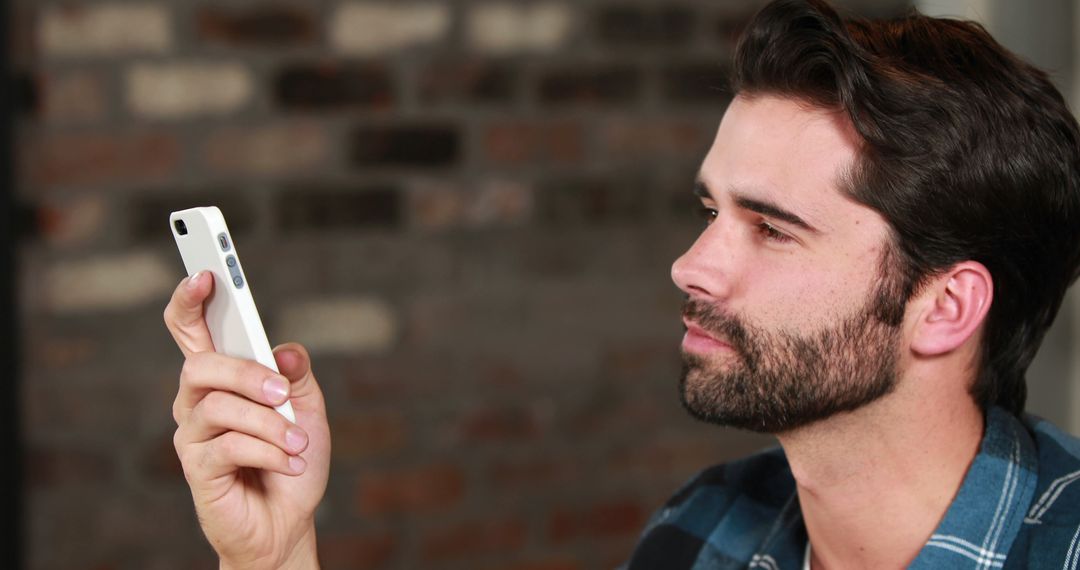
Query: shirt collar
x=979 y=527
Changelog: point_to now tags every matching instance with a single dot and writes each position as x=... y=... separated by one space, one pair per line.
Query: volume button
x=234 y=271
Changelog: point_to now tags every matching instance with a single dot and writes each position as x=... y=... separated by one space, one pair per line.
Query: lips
x=700 y=341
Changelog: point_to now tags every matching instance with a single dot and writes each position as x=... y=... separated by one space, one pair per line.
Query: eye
x=769 y=232
x=706 y=214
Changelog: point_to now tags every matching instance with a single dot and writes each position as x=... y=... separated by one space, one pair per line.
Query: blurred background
x=467 y=211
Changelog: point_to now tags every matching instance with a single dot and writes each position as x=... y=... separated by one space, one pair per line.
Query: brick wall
x=466 y=210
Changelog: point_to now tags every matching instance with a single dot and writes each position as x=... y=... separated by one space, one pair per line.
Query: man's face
x=785 y=284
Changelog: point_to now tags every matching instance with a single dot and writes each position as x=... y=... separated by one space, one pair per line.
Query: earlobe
x=956 y=304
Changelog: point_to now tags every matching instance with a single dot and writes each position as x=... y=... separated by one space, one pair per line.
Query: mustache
x=718 y=323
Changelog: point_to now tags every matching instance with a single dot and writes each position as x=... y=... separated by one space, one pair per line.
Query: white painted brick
x=179 y=90
x=436 y=205
x=508 y=27
x=268 y=149
x=499 y=202
x=344 y=325
x=106 y=283
x=104 y=29
x=364 y=28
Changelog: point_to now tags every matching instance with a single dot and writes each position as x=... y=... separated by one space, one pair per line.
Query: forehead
x=787 y=152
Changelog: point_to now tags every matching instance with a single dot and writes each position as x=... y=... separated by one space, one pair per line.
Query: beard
x=778 y=381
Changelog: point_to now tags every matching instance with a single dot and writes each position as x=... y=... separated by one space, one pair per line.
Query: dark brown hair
x=968 y=152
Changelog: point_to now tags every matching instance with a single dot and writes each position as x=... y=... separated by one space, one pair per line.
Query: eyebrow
x=763 y=207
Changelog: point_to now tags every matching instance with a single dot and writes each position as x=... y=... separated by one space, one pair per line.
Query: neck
x=874 y=484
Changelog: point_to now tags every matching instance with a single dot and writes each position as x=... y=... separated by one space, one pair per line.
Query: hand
x=255 y=477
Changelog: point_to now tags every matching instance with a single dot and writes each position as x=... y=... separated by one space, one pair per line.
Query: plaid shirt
x=1018 y=507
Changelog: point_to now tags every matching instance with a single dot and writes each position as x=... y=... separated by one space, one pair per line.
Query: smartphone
x=205 y=244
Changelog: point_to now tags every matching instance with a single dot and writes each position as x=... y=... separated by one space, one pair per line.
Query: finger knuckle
x=194 y=368
x=168 y=314
x=188 y=370
x=228 y=444
x=214 y=407
x=180 y=443
x=253 y=374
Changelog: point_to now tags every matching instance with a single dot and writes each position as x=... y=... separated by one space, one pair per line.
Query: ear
x=954 y=306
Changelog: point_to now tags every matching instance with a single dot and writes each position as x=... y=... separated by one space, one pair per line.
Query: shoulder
x=731 y=506
x=1057 y=494
x=763 y=478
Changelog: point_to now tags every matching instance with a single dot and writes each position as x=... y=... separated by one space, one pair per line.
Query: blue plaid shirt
x=1018 y=507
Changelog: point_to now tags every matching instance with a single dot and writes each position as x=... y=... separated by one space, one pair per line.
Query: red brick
x=415 y=144
x=56 y=352
x=341 y=550
x=330 y=86
x=146 y=210
x=345 y=208
x=474 y=538
x=639 y=358
x=528 y=142
x=362 y=436
x=593 y=199
x=590 y=85
x=423 y=489
x=680 y=456
x=466 y=81
x=499 y=424
x=263 y=26
x=656 y=139
x=268 y=150
x=50 y=409
x=533 y=474
x=61 y=466
x=610 y=519
x=73 y=97
x=542 y=564
x=394 y=378
x=664 y=458
x=77 y=220
x=618 y=415
x=645 y=26
x=88 y=159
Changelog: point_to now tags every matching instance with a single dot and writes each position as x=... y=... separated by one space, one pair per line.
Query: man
x=892 y=219
x=893 y=216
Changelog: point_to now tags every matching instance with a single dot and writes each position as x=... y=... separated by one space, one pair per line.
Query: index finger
x=184 y=314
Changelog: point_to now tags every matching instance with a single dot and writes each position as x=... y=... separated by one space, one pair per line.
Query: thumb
x=184 y=314
x=294 y=363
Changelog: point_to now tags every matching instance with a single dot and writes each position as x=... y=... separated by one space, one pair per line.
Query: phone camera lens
x=181 y=227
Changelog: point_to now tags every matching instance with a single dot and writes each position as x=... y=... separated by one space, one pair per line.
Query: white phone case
x=231 y=316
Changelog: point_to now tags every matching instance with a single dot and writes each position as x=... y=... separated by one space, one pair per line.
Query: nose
x=704 y=271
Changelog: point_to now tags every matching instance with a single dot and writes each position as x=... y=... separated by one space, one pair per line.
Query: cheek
x=808 y=294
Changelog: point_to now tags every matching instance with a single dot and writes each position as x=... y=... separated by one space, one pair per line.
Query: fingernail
x=295 y=439
x=193 y=281
x=297 y=464
x=275 y=388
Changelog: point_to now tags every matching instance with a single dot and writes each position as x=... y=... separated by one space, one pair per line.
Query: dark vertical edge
x=9 y=350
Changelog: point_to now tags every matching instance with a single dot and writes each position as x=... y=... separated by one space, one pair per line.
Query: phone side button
x=234 y=271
